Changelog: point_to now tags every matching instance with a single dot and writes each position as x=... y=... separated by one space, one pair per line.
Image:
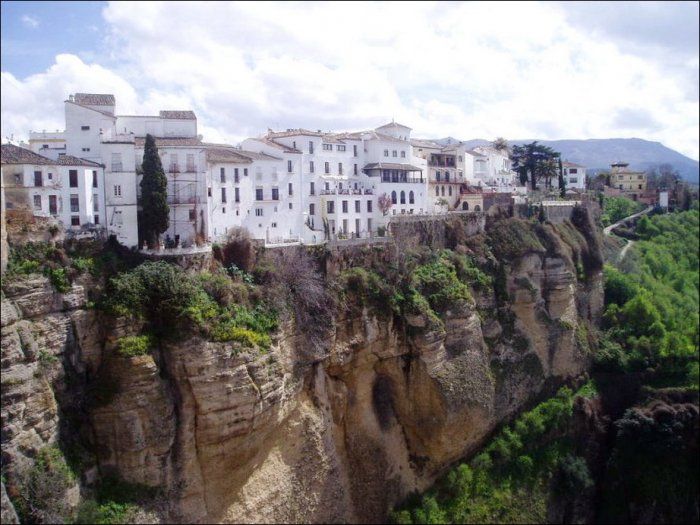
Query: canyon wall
x=302 y=433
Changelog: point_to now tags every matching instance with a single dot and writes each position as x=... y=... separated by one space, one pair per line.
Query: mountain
x=598 y=154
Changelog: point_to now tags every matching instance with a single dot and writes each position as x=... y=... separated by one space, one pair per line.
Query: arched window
x=403 y=197
x=410 y=197
x=393 y=197
x=437 y=191
x=465 y=206
x=442 y=190
x=450 y=190
x=477 y=208
x=437 y=176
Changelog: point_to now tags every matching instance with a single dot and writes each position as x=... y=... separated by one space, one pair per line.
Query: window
x=437 y=191
x=223 y=209
x=340 y=168
x=73 y=178
x=236 y=179
x=393 y=153
x=357 y=206
x=290 y=189
x=340 y=148
x=449 y=190
x=37 y=179
x=312 y=209
x=223 y=194
x=290 y=205
x=403 y=154
x=572 y=170
x=192 y=214
x=393 y=197
x=345 y=206
x=327 y=186
x=275 y=194
x=437 y=176
x=53 y=205
x=294 y=144
x=117 y=217
x=117 y=190
x=116 y=162
x=258 y=212
x=236 y=195
x=74 y=220
x=442 y=190
x=50 y=176
x=369 y=206
x=403 y=197
x=312 y=190
x=95 y=202
x=37 y=202
x=311 y=166
x=328 y=167
x=273 y=225
x=447 y=176
x=258 y=194
x=222 y=175
x=96 y=219
x=84 y=128
x=311 y=147
x=190 y=163
x=245 y=172
x=209 y=191
x=74 y=203
x=410 y=198
x=86 y=149
x=573 y=180
x=328 y=147
x=330 y=207
x=94 y=178
x=386 y=152
x=354 y=169
x=289 y=166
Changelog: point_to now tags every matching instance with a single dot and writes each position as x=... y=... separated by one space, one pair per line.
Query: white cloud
x=519 y=70
x=30 y=21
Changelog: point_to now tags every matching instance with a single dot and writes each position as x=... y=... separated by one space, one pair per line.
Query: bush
x=58 y=279
x=133 y=346
x=439 y=284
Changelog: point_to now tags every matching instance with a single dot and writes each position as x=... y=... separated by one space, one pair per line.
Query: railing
x=183 y=199
x=173 y=168
x=347 y=191
x=409 y=180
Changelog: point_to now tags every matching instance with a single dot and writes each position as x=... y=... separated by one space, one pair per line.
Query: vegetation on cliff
x=617 y=208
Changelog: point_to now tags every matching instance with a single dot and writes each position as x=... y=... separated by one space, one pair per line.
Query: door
x=53 y=205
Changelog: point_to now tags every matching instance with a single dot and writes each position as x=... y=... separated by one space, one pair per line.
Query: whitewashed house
x=68 y=188
x=574 y=176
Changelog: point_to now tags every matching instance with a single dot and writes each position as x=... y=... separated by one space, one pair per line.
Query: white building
x=68 y=188
x=574 y=176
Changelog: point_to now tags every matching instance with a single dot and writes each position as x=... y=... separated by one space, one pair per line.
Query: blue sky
x=33 y=33
x=546 y=70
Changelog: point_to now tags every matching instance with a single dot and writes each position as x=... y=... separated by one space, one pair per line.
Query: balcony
x=183 y=199
x=402 y=180
x=173 y=168
x=348 y=191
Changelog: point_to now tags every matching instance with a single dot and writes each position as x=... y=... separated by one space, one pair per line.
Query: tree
x=154 y=204
x=500 y=144
x=384 y=203
x=534 y=162
x=562 y=182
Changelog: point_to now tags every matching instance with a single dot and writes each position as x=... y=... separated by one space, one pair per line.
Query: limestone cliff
x=336 y=434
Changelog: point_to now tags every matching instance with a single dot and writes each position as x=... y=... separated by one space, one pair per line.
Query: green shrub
x=133 y=346
x=439 y=284
x=85 y=264
x=108 y=513
x=228 y=331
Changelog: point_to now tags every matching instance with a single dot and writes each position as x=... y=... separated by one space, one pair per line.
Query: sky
x=521 y=70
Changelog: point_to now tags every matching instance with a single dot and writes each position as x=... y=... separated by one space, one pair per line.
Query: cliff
x=303 y=432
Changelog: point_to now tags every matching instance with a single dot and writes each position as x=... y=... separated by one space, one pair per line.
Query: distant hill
x=598 y=154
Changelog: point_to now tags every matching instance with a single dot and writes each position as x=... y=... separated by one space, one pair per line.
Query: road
x=608 y=231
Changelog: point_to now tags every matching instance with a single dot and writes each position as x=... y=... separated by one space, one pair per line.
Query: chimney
x=70 y=98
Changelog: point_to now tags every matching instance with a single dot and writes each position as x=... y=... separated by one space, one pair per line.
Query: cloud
x=30 y=22
x=519 y=70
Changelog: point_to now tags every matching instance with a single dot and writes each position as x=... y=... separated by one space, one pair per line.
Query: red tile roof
x=181 y=115
x=12 y=154
x=94 y=99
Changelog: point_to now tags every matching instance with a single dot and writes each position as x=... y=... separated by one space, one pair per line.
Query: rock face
x=277 y=437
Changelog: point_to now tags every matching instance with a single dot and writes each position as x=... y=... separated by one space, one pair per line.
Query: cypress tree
x=155 y=211
x=562 y=182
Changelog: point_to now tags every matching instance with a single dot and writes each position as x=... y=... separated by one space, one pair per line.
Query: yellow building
x=622 y=178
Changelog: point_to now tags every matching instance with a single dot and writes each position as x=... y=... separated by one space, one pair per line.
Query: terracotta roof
x=293 y=133
x=139 y=142
x=476 y=153
x=12 y=154
x=375 y=135
x=257 y=155
x=182 y=115
x=391 y=166
x=278 y=145
x=393 y=124
x=421 y=143
x=332 y=139
x=70 y=160
x=93 y=99
x=235 y=155
x=571 y=164
x=355 y=135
